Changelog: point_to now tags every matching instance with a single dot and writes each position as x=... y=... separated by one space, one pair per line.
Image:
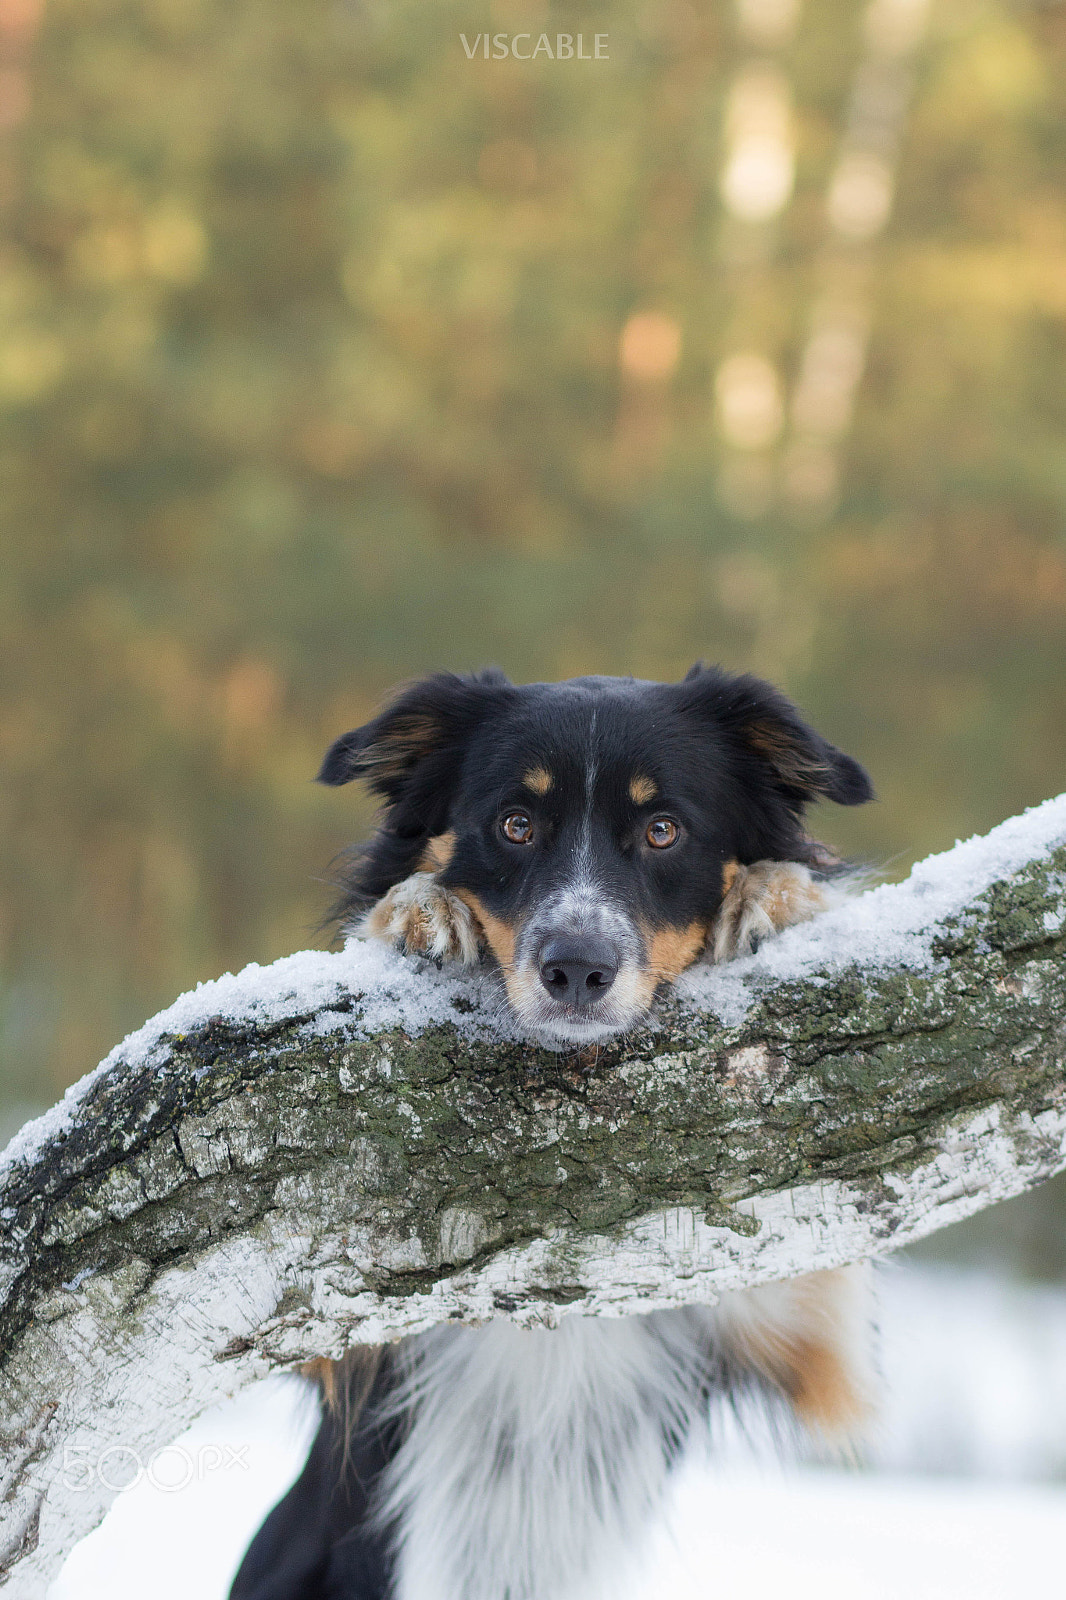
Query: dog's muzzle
x=580 y=970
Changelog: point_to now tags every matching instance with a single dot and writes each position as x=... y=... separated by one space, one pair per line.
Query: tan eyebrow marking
x=539 y=779
x=642 y=789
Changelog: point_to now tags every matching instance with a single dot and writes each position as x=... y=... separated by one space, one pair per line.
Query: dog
x=584 y=841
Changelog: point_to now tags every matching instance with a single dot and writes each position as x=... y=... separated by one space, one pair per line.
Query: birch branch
x=345 y=1148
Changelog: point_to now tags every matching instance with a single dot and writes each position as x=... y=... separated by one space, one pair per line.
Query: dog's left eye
x=518 y=828
x=662 y=832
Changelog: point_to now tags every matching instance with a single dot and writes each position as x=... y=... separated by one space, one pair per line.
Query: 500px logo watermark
x=549 y=47
x=172 y=1467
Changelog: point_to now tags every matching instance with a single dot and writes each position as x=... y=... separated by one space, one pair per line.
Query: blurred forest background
x=330 y=353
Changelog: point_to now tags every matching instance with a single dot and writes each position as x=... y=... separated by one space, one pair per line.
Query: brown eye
x=518 y=828
x=662 y=832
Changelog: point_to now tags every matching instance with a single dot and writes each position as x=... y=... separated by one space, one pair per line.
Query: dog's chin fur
x=553 y=1028
x=561 y=1035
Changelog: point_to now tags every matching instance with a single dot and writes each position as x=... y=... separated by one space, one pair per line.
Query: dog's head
x=589 y=825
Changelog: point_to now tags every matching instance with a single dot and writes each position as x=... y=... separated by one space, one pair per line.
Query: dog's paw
x=812 y=1339
x=761 y=900
x=417 y=914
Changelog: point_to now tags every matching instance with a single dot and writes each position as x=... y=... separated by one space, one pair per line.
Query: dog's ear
x=412 y=755
x=419 y=736
x=766 y=727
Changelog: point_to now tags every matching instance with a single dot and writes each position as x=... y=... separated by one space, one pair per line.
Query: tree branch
x=341 y=1147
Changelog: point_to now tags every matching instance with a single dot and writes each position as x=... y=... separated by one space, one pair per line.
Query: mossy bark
x=267 y=1195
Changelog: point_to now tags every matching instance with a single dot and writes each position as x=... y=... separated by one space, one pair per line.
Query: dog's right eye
x=517 y=828
x=662 y=833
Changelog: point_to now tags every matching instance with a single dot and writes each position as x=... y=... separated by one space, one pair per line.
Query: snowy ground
x=966 y=1500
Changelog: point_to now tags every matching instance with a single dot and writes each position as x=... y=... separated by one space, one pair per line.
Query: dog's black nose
x=578 y=971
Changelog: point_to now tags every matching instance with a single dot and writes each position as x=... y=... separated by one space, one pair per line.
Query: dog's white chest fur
x=534 y=1458
x=533 y=1455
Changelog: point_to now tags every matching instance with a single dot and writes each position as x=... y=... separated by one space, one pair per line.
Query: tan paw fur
x=760 y=900
x=417 y=914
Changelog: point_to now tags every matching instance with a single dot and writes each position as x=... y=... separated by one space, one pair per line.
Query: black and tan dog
x=588 y=840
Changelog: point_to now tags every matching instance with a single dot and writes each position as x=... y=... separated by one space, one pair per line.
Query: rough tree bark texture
x=252 y=1184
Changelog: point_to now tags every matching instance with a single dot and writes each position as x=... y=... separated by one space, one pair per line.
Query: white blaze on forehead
x=583 y=849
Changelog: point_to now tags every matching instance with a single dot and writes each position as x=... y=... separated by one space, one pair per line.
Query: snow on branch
x=352 y=1147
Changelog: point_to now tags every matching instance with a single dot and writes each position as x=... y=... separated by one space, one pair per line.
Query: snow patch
x=377 y=988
